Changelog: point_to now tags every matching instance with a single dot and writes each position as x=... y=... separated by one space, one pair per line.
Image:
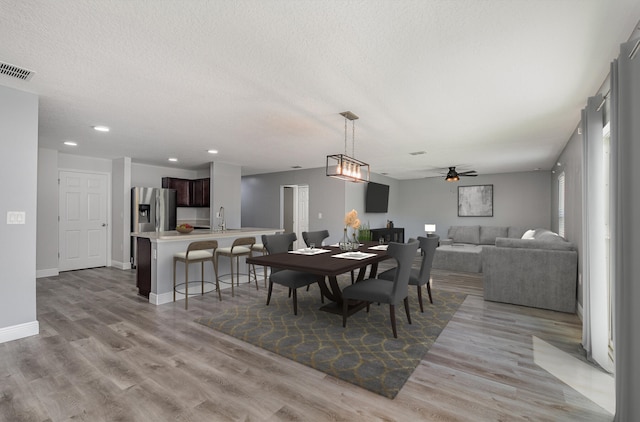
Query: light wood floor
x=105 y=354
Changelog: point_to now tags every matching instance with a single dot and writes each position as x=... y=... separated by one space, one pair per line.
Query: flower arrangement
x=351 y=219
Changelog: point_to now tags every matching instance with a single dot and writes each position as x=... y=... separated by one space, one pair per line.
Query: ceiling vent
x=15 y=71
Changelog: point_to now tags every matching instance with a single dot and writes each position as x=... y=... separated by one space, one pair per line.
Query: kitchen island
x=154 y=267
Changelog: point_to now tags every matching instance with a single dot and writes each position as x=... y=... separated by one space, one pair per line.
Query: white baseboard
x=121 y=265
x=163 y=298
x=49 y=272
x=16 y=332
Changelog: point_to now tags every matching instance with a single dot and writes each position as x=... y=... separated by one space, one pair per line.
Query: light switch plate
x=16 y=217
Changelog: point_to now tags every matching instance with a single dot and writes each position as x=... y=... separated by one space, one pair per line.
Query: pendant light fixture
x=344 y=167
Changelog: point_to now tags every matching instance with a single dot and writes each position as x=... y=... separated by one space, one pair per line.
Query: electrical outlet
x=319 y=216
x=16 y=217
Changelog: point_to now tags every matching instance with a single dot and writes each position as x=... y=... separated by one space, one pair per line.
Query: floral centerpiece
x=350 y=220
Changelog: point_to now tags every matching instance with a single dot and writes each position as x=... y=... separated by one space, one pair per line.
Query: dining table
x=329 y=262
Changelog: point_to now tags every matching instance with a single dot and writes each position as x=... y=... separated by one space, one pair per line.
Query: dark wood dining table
x=329 y=268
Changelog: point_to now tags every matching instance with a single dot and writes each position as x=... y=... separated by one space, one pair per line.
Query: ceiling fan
x=454 y=176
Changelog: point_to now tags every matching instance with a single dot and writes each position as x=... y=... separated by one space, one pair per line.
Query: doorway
x=294 y=211
x=82 y=220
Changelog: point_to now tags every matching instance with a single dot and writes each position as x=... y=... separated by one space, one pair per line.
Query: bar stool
x=196 y=252
x=240 y=247
x=259 y=247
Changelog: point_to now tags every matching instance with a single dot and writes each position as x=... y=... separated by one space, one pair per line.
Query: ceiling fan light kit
x=343 y=166
x=454 y=176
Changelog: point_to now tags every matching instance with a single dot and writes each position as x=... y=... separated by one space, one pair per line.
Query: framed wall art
x=475 y=201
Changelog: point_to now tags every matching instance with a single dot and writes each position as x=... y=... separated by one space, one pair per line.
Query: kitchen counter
x=204 y=234
x=154 y=269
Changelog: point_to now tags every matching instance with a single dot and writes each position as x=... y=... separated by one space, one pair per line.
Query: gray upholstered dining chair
x=279 y=243
x=315 y=237
x=381 y=291
x=420 y=277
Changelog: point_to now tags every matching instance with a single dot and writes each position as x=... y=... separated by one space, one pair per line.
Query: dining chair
x=282 y=243
x=201 y=252
x=381 y=291
x=315 y=237
x=422 y=276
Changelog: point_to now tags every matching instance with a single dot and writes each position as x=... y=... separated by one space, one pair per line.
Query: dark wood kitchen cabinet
x=189 y=192
x=200 y=192
x=182 y=187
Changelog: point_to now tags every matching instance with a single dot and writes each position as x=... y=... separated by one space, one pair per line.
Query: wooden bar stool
x=259 y=247
x=240 y=247
x=196 y=252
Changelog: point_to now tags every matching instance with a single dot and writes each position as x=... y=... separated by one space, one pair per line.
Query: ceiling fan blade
x=467 y=173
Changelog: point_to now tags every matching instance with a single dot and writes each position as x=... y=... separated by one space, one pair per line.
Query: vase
x=355 y=243
x=345 y=243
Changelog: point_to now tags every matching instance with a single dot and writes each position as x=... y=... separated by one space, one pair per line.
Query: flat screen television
x=376 y=197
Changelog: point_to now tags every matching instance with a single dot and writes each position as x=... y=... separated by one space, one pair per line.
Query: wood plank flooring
x=105 y=354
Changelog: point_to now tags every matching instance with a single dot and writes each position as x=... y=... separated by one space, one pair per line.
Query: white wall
x=47 y=229
x=120 y=214
x=19 y=172
x=225 y=191
x=151 y=176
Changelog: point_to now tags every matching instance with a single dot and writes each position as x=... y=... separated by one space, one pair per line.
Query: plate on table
x=379 y=248
x=309 y=251
x=354 y=255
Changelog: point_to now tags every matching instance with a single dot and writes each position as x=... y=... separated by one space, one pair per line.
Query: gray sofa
x=540 y=272
x=461 y=249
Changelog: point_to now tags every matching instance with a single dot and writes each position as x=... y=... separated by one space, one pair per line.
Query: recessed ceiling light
x=71 y=143
x=212 y=151
x=101 y=128
x=173 y=159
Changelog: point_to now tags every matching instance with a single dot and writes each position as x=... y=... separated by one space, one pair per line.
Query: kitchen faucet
x=221 y=214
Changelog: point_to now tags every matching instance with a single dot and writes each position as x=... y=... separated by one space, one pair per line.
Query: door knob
x=104 y=224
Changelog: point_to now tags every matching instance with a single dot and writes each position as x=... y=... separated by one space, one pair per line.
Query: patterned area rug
x=364 y=354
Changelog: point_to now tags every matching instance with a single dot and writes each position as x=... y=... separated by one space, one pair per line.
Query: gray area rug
x=365 y=353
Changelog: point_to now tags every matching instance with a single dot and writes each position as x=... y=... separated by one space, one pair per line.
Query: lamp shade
x=430 y=228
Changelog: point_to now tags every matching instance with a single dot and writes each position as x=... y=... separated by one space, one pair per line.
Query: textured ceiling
x=492 y=85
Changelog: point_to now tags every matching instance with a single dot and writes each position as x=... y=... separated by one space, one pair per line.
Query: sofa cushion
x=488 y=234
x=561 y=245
x=465 y=234
x=516 y=232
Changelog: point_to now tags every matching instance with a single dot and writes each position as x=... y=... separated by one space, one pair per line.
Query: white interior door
x=303 y=209
x=82 y=220
x=294 y=211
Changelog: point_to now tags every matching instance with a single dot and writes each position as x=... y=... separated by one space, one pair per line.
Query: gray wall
x=520 y=199
x=19 y=171
x=261 y=200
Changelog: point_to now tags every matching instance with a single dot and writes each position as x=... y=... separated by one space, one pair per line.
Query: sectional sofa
x=461 y=249
x=535 y=268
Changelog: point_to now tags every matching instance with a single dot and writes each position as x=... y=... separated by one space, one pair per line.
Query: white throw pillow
x=528 y=234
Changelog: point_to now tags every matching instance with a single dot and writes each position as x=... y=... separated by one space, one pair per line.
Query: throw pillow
x=528 y=234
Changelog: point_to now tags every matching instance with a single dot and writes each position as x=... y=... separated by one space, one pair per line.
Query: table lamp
x=430 y=228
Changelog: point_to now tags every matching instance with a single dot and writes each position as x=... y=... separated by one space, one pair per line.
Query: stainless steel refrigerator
x=152 y=209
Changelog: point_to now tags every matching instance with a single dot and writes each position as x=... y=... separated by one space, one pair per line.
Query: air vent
x=15 y=71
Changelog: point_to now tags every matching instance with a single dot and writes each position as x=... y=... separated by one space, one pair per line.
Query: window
x=561 y=204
